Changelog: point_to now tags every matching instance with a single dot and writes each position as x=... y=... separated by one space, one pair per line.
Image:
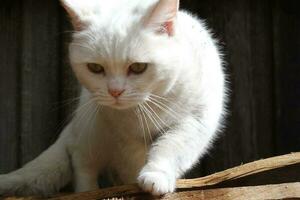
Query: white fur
x=184 y=81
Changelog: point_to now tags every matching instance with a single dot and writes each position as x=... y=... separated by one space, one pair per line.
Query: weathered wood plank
x=10 y=40
x=261 y=70
x=242 y=171
x=229 y=174
x=40 y=77
x=288 y=174
x=279 y=191
x=287 y=72
x=198 y=184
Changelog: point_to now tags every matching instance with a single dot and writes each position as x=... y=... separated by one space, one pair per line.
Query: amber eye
x=138 y=68
x=95 y=68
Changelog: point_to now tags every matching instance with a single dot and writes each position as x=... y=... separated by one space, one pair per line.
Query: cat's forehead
x=118 y=31
x=118 y=18
x=122 y=19
x=115 y=34
x=123 y=10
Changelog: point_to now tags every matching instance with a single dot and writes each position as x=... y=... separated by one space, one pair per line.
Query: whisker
x=178 y=106
x=165 y=108
x=157 y=116
x=143 y=129
x=146 y=122
x=152 y=119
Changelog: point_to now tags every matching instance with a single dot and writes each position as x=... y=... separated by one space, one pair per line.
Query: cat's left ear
x=163 y=16
x=78 y=11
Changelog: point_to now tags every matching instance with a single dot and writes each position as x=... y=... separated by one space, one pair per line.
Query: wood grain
x=198 y=183
x=286 y=33
x=40 y=77
x=276 y=191
x=242 y=171
x=280 y=191
x=10 y=40
x=229 y=174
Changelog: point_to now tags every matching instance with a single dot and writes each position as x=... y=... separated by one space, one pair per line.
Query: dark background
x=261 y=43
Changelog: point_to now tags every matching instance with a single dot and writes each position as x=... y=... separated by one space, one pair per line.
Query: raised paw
x=156 y=182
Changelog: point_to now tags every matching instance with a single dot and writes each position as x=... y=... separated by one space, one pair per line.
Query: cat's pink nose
x=115 y=93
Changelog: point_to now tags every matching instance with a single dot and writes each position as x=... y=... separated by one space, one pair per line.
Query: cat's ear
x=76 y=10
x=163 y=16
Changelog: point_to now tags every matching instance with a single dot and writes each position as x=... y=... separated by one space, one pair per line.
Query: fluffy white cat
x=152 y=99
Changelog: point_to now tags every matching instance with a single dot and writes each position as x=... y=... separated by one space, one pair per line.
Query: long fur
x=166 y=118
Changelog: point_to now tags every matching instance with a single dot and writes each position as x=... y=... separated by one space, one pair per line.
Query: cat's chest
x=133 y=125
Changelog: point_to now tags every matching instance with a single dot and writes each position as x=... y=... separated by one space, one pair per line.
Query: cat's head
x=124 y=51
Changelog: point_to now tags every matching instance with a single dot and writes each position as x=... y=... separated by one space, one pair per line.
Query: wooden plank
x=242 y=171
x=10 y=26
x=194 y=184
x=229 y=174
x=288 y=174
x=40 y=77
x=287 y=73
x=280 y=191
x=261 y=69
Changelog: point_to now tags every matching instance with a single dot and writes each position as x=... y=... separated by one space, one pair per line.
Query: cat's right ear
x=163 y=16
x=75 y=10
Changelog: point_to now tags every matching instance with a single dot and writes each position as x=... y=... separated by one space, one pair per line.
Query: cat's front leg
x=173 y=154
x=85 y=173
x=89 y=160
x=43 y=176
x=85 y=180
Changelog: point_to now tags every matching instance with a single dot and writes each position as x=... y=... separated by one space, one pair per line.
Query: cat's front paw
x=156 y=182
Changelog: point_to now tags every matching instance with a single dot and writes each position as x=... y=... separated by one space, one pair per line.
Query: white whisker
x=157 y=116
x=153 y=119
x=165 y=108
x=146 y=122
x=142 y=126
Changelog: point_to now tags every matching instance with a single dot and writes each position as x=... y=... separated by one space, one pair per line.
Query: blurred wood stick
x=241 y=171
x=229 y=174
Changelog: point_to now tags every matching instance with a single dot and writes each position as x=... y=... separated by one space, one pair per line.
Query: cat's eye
x=138 y=68
x=95 y=68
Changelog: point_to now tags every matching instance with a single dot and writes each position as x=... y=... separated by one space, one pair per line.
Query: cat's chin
x=121 y=106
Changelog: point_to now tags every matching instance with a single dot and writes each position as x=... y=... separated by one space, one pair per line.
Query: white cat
x=152 y=99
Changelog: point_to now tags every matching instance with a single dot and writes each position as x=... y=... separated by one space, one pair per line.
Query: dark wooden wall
x=260 y=39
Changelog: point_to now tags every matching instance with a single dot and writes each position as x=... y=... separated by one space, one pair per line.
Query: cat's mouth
x=120 y=105
x=123 y=103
